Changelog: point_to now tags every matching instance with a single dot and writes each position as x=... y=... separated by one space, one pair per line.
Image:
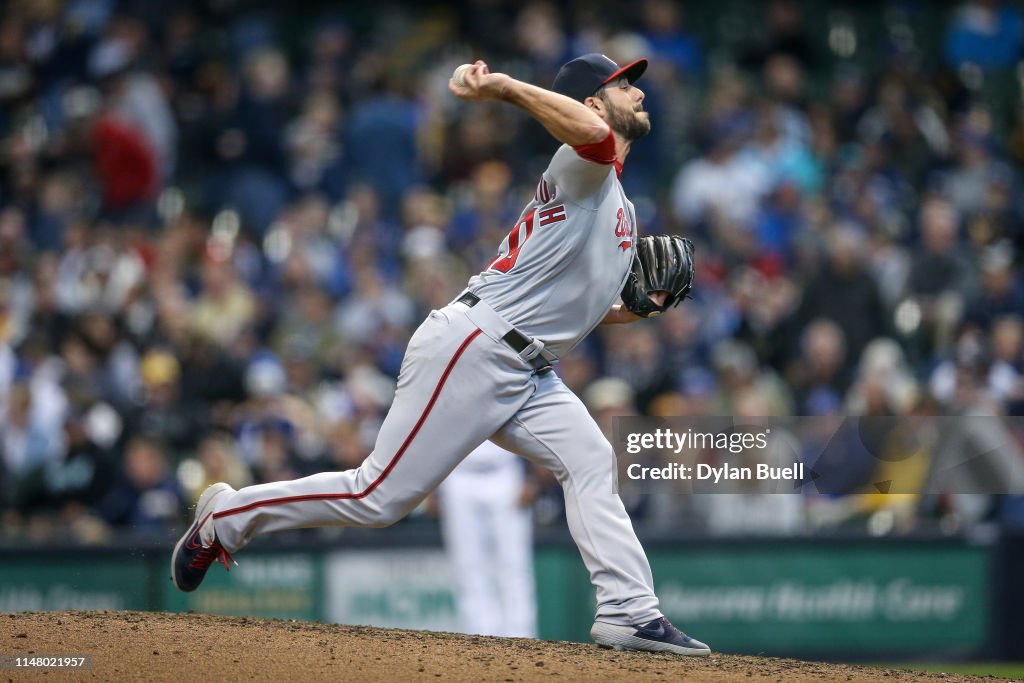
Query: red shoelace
x=208 y=554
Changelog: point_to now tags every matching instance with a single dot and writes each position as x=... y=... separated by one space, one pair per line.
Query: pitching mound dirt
x=188 y=647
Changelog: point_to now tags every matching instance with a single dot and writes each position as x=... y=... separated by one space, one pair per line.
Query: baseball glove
x=661 y=263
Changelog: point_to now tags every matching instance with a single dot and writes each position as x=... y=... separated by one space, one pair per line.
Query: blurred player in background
x=488 y=533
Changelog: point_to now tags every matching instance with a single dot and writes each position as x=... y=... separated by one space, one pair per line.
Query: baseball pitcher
x=480 y=368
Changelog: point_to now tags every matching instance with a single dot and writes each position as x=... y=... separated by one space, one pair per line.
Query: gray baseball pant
x=459 y=384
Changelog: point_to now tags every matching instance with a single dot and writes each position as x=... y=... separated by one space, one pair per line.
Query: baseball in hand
x=459 y=76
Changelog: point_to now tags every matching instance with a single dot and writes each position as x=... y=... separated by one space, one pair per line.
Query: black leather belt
x=514 y=338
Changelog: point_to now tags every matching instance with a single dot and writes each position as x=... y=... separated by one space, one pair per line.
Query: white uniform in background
x=489 y=538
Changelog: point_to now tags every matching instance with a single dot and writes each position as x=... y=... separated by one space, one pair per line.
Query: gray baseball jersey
x=460 y=383
x=564 y=263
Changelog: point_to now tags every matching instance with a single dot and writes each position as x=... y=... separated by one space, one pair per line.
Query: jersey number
x=623 y=228
x=509 y=251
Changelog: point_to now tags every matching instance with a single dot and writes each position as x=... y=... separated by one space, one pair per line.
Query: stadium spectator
x=843 y=293
x=1007 y=373
x=220 y=462
x=224 y=306
x=380 y=137
x=148 y=497
x=1001 y=291
x=718 y=187
x=670 y=41
x=987 y=34
x=163 y=412
x=739 y=374
x=27 y=445
x=817 y=376
x=940 y=274
x=781 y=33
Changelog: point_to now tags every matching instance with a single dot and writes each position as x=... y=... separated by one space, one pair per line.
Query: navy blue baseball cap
x=584 y=76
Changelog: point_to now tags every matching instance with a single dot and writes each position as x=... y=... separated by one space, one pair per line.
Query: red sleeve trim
x=599 y=152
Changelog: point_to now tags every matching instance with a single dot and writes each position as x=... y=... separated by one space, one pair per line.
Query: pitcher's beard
x=628 y=124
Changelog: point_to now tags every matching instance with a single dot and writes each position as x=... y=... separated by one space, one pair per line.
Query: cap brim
x=631 y=71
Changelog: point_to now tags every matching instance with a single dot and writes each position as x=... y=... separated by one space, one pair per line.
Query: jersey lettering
x=509 y=251
x=555 y=215
x=623 y=228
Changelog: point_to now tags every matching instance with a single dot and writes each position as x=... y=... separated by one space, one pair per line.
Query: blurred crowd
x=221 y=220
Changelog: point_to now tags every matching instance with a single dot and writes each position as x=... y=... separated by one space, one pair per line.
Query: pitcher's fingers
x=472 y=75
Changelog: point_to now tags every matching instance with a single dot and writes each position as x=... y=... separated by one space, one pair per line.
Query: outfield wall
x=838 y=598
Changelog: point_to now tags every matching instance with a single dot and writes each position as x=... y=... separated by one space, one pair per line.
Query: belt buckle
x=533 y=354
x=532 y=350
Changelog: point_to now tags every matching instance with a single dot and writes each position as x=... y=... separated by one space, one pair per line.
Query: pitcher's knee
x=596 y=468
x=384 y=517
x=379 y=515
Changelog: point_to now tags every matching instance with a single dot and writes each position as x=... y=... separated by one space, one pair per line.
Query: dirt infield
x=184 y=647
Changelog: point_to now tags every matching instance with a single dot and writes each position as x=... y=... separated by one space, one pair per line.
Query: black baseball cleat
x=199 y=547
x=655 y=636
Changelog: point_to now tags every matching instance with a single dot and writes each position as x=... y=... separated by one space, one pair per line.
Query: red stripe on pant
x=387 y=470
